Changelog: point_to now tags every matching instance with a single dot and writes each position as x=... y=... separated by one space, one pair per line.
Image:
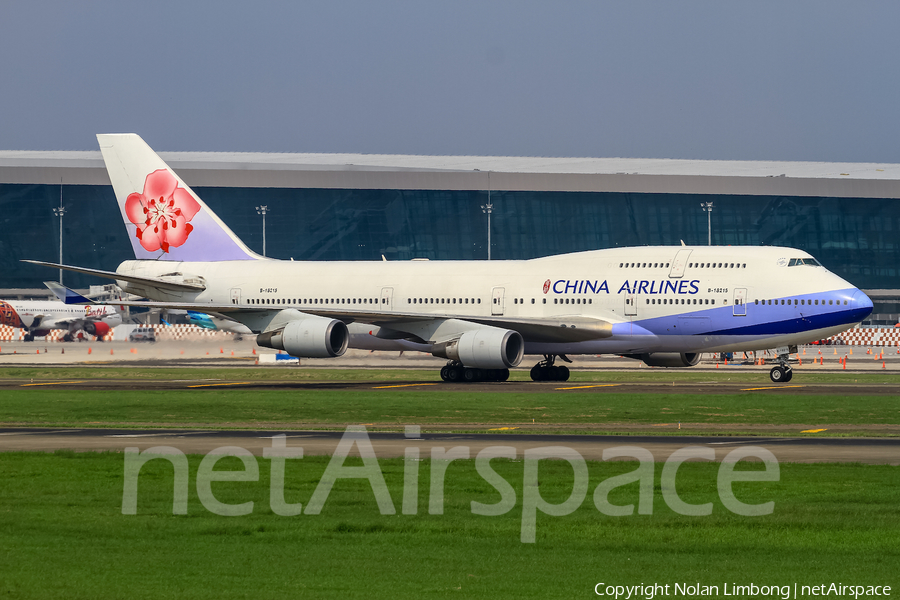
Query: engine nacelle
x=487 y=348
x=670 y=359
x=97 y=328
x=314 y=337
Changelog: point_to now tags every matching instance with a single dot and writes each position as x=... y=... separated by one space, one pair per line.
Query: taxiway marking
x=775 y=387
x=50 y=383
x=384 y=387
x=215 y=384
x=584 y=387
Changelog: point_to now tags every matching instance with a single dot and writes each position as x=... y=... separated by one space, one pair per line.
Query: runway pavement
x=393 y=445
x=429 y=384
x=229 y=352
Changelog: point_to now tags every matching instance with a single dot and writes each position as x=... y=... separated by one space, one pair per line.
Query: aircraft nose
x=861 y=304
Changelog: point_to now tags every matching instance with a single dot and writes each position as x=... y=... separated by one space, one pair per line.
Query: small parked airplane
x=73 y=313
x=663 y=305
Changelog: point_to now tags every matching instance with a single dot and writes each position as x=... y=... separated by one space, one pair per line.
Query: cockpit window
x=811 y=262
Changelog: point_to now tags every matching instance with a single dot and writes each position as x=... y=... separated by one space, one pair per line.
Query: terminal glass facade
x=859 y=239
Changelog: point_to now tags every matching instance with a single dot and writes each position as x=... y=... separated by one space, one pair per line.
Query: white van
x=142 y=334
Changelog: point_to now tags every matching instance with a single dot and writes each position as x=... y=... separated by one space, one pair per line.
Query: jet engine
x=669 y=359
x=486 y=348
x=97 y=328
x=313 y=337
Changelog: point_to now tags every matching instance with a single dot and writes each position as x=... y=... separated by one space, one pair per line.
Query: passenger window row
x=796 y=302
x=573 y=301
x=682 y=301
x=656 y=265
x=717 y=265
x=443 y=301
x=309 y=301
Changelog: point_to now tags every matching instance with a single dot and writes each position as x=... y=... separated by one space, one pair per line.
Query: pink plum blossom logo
x=161 y=213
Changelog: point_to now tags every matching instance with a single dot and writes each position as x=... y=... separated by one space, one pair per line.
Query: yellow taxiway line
x=384 y=387
x=584 y=387
x=50 y=383
x=774 y=387
x=216 y=384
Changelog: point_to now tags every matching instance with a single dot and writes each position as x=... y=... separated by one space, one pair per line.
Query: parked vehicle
x=142 y=334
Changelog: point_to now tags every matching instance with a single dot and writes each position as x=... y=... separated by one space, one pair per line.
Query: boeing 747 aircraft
x=662 y=305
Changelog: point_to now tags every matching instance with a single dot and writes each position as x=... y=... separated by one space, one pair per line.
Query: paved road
x=389 y=445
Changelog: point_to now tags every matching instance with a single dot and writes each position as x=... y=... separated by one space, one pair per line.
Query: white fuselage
x=657 y=299
x=43 y=315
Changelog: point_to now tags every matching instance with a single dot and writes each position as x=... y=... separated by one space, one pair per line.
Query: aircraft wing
x=555 y=329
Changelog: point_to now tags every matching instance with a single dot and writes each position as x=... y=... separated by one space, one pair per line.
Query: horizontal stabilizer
x=160 y=284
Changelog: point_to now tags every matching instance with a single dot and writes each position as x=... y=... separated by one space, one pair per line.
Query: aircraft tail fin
x=165 y=219
x=66 y=295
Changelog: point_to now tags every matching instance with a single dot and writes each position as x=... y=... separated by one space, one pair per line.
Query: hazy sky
x=779 y=80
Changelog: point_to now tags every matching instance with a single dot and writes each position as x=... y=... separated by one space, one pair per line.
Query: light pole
x=708 y=208
x=488 y=208
x=262 y=210
x=59 y=212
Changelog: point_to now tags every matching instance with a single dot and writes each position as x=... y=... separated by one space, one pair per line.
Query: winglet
x=66 y=295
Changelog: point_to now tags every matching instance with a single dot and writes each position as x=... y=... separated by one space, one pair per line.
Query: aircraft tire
x=445 y=375
x=562 y=373
x=501 y=375
x=788 y=374
x=28 y=337
x=537 y=373
x=454 y=373
x=778 y=375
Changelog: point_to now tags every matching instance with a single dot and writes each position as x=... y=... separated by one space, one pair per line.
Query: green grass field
x=234 y=407
x=63 y=534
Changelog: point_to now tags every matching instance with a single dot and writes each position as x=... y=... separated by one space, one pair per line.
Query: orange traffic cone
x=835 y=351
x=37 y=351
x=63 y=351
x=804 y=351
x=845 y=364
x=851 y=350
x=801 y=361
x=110 y=351
x=254 y=351
x=882 y=366
x=232 y=352
x=717 y=364
x=221 y=350
x=89 y=350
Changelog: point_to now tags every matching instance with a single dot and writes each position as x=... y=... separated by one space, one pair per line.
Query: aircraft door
x=630 y=305
x=235 y=295
x=679 y=263
x=739 y=309
x=387 y=295
x=497 y=300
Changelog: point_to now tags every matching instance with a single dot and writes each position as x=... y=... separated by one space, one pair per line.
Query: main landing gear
x=782 y=373
x=546 y=371
x=454 y=371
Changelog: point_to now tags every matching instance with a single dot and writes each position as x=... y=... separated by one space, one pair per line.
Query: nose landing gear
x=782 y=373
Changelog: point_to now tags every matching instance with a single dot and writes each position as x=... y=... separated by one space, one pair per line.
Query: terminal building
x=394 y=207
